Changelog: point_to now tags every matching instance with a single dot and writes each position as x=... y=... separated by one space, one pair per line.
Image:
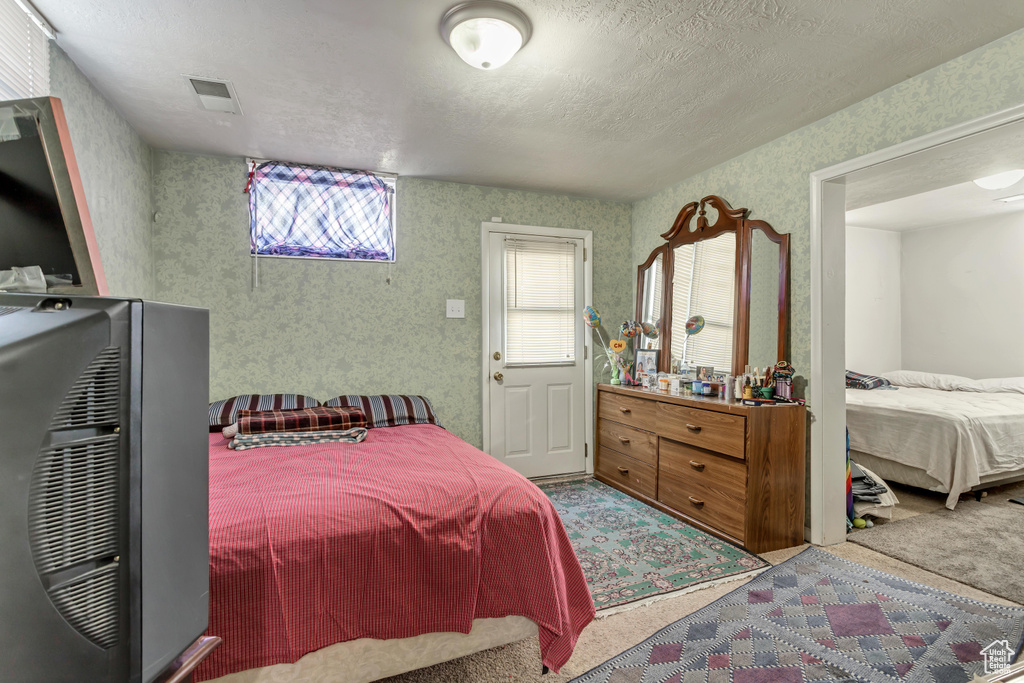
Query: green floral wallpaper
x=773 y=180
x=115 y=166
x=328 y=328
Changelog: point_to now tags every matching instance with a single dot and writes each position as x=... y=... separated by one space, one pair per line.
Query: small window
x=320 y=212
x=540 y=301
x=24 y=53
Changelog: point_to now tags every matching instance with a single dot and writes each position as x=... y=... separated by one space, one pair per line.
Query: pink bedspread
x=410 y=532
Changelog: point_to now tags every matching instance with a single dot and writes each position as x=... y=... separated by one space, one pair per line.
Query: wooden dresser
x=732 y=470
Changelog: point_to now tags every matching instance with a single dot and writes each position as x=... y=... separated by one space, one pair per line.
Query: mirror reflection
x=653 y=287
x=730 y=275
x=763 y=347
x=704 y=284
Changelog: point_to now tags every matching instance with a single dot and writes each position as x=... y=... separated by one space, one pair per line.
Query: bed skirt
x=367 y=659
x=891 y=470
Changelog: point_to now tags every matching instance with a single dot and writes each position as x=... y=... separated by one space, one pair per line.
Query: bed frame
x=890 y=470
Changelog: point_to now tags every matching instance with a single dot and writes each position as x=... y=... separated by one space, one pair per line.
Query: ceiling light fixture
x=1000 y=181
x=485 y=33
x=1011 y=198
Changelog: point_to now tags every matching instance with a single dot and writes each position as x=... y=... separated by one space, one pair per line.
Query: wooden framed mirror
x=731 y=271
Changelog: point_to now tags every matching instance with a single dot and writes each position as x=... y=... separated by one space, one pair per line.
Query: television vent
x=73 y=503
x=4 y=310
x=90 y=604
x=95 y=398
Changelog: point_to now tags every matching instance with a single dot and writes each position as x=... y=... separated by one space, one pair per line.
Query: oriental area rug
x=818 y=617
x=630 y=552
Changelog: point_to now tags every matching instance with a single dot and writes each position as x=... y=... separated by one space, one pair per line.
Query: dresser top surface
x=714 y=403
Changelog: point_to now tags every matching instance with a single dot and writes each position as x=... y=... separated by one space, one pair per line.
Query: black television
x=44 y=219
x=104 y=555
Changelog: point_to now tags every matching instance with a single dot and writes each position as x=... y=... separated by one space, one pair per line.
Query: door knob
x=498 y=376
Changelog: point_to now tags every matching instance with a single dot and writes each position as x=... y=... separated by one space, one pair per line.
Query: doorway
x=536 y=369
x=828 y=298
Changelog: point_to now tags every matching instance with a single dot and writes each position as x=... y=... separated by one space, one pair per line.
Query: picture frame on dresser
x=648 y=360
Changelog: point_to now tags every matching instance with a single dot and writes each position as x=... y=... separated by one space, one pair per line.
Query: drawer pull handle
x=625 y=410
x=623 y=439
x=699 y=466
x=623 y=470
x=693 y=428
x=697 y=502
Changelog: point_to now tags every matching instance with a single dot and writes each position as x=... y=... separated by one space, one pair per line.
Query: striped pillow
x=224 y=413
x=390 y=410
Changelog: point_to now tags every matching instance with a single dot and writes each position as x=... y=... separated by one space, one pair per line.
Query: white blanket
x=955 y=436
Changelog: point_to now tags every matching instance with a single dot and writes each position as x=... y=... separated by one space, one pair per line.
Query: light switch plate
x=456 y=308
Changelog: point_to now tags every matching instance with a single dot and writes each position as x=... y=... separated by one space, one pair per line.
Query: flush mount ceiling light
x=485 y=33
x=1000 y=181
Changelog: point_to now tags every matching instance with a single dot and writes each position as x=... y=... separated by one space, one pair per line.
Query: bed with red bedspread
x=411 y=531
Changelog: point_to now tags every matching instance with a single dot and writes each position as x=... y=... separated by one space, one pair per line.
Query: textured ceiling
x=610 y=98
x=945 y=206
x=934 y=187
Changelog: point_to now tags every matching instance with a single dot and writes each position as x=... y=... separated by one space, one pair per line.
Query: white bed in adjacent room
x=939 y=432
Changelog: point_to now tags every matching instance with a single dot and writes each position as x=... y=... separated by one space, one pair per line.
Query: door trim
x=486 y=228
x=827 y=407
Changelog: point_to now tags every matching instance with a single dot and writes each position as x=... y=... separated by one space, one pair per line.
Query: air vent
x=95 y=399
x=72 y=510
x=4 y=310
x=89 y=603
x=214 y=95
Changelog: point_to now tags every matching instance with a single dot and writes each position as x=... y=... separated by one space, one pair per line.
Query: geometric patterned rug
x=629 y=551
x=818 y=617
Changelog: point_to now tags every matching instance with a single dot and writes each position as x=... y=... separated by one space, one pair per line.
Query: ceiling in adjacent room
x=935 y=187
x=610 y=98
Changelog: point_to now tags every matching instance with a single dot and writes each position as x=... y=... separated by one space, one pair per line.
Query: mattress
x=956 y=438
x=412 y=531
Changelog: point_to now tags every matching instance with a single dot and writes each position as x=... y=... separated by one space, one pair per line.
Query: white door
x=534 y=359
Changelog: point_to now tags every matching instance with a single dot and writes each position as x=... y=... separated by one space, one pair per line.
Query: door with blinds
x=535 y=360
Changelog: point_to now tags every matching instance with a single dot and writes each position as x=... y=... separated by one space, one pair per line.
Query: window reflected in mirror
x=651 y=304
x=704 y=284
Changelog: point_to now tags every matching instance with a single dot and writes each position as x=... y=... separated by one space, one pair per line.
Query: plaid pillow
x=223 y=413
x=316 y=419
x=390 y=410
x=856 y=380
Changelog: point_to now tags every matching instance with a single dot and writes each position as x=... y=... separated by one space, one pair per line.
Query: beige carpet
x=979 y=543
x=606 y=637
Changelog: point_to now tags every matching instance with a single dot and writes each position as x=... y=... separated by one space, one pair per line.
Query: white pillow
x=1001 y=385
x=931 y=380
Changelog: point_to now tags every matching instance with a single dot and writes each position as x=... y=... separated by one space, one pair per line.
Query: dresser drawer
x=710 y=506
x=634 y=412
x=708 y=429
x=698 y=466
x=630 y=441
x=634 y=474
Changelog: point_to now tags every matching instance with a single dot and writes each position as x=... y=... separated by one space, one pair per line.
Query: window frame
x=390 y=179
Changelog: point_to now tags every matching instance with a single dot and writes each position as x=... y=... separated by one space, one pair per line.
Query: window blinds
x=540 y=310
x=704 y=284
x=24 y=54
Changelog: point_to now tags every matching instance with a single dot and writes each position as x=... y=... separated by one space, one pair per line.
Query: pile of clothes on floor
x=866 y=494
